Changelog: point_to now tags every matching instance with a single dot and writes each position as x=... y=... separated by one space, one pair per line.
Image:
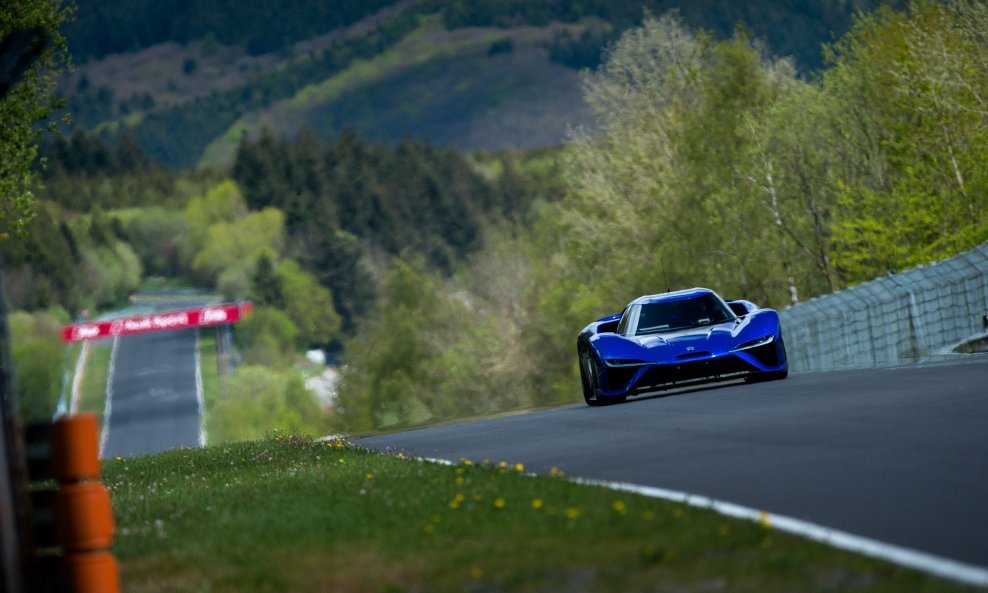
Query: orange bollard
x=93 y=572
x=75 y=448
x=83 y=517
x=83 y=514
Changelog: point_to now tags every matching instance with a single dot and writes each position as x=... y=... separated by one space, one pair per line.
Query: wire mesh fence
x=897 y=318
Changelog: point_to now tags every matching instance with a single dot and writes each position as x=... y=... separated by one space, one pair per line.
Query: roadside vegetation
x=92 y=388
x=287 y=514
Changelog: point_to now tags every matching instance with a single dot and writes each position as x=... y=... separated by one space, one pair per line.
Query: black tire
x=588 y=377
x=589 y=374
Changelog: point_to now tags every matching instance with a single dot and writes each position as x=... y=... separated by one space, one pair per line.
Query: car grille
x=712 y=368
x=700 y=354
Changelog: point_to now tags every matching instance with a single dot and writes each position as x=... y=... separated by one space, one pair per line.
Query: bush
x=258 y=400
x=38 y=360
x=268 y=337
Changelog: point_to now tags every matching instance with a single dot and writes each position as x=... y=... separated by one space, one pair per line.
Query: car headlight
x=623 y=362
x=756 y=343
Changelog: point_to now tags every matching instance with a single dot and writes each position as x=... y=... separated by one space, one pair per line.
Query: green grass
x=92 y=391
x=209 y=367
x=286 y=514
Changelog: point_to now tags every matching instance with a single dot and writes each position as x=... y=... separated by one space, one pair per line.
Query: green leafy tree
x=266 y=285
x=389 y=376
x=222 y=203
x=309 y=305
x=237 y=245
x=268 y=337
x=155 y=233
x=28 y=103
x=911 y=88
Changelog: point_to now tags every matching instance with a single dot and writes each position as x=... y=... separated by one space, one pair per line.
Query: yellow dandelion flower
x=478 y=497
x=369 y=476
x=430 y=529
x=454 y=504
x=437 y=518
x=537 y=503
x=476 y=573
x=619 y=507
x=466 y=461
x=342 y=460
x=572 y=513
x=764 y=520
x=459 y=481
x=499 y=503
x=648 y=515
x=459 y=471
x=503 y=465
x=519 y=467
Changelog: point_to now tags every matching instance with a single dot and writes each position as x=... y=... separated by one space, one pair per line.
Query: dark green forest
x=177 y=133
x=454 y=283
x=102 y=28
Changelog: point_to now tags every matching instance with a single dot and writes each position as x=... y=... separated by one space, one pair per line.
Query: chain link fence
x=895 y=319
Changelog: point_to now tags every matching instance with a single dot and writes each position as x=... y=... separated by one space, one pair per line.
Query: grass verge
x=286 y=514
x=92 y=390
x=209 y=369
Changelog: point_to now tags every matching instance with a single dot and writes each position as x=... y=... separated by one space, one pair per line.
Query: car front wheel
x=590 y=377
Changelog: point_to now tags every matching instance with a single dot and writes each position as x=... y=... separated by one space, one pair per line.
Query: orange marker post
x=83 y=514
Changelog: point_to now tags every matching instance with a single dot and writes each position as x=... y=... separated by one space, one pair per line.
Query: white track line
x=968 y=574
x=80 y=370
x=943 y=567
x=108 y=406
x=199 y=395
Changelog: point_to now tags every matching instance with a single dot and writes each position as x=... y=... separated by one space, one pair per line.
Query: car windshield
x=669 y=316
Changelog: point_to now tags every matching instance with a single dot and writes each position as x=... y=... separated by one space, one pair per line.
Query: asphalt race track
x=153 y=401
x=897 y=455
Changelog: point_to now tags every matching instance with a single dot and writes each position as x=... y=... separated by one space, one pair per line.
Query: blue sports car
x=679 y=338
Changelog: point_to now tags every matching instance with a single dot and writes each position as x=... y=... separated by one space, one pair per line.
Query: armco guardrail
x=894 y=319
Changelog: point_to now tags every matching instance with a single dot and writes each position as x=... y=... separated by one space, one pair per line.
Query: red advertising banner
x=203 y=317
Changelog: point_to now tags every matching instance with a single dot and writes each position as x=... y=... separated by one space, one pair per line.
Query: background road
x=899 y=455
x=153 y=401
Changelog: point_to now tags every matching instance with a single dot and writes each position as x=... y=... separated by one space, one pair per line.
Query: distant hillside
x=261 y=26
x=189 y=78
x=470 y=88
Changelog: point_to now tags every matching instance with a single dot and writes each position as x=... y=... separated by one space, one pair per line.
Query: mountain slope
x=471 y=88
x=187 y=81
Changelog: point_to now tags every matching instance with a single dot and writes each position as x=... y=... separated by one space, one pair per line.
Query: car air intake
x=698 y=354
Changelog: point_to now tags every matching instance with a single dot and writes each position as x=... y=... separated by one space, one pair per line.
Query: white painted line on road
x=80 y=369
x=943 y=567
x=199 y=395
x=108 y=406
x=968 y=574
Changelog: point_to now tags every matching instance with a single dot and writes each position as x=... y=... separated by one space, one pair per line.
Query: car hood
x=689 y=342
